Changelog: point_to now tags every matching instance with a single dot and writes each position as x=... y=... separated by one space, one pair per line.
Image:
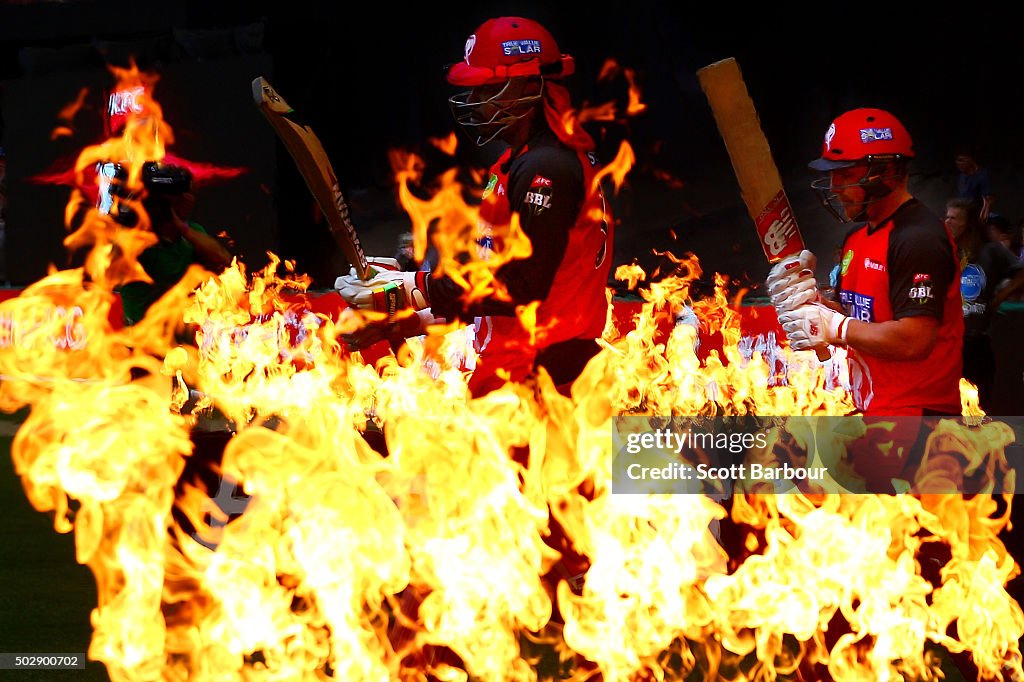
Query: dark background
x=373 y=82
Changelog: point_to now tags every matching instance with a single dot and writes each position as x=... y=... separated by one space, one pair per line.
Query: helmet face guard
x=486 y=119
x=870 y=139
x=876 y=183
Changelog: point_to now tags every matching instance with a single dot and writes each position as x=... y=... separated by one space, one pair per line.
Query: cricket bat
x=751 y=157
x=309 y=155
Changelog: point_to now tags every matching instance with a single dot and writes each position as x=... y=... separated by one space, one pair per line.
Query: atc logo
x=868 y=135
x=920 y=291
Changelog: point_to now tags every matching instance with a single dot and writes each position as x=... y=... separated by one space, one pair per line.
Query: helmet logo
x=470 y=44
x=829 y=135
x=520 y=47
x=875 y=134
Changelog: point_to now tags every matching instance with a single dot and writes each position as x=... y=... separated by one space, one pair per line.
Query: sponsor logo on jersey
x=540 y=181
x=868 y=135
x=491 y=183
x=972 y=283
x=511 y=47
x=921 y=290
x=858 y=306
x=539 y=200
x=847 y=259
x=484 y=240
x=870 y=264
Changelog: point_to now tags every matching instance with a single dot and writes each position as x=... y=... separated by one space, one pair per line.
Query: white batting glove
x=388 y=290
x=791 y=282
x=814 y=326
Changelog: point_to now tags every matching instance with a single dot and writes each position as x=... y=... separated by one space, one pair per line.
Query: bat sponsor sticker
x=777 y=229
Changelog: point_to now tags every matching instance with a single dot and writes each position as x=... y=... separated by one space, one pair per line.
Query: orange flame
x=67 y=115
x=448 y=144
x=608 y=111
x=453 y=224
x=113 y=258
x=487 y=544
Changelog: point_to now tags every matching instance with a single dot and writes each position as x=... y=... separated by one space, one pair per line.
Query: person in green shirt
x=182 y=243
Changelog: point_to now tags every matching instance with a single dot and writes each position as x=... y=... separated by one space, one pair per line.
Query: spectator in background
x=1000 y=230
x=974 y=182
x=989 y=273
x=404 y=254
x=182 y=242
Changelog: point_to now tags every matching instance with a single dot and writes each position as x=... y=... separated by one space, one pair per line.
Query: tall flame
x=487 y=543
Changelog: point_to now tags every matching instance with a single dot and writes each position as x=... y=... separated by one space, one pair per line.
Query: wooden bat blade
x=751 y=157
x=308 y=153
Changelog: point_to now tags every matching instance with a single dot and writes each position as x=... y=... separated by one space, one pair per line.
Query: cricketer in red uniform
x=904 y=267
x=546 y=176
x=899 y=310
x=547 y=184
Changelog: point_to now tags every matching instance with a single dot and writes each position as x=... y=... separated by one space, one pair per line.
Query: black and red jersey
x=903 y=267
x=567 y=221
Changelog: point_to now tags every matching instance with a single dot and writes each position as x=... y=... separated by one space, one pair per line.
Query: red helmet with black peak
x=863 y=135
x=506 y=47
x=865 y=156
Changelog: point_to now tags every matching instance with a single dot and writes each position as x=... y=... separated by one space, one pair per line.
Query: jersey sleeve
x=921 y=270
x=546 y=191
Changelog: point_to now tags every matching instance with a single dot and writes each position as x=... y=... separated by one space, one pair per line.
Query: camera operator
x=169 y=202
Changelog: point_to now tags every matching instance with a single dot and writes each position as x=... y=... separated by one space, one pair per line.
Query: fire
x=609 y=111
x=67 y=115
x=453 y=224
x=448 y=144
x=487 y=543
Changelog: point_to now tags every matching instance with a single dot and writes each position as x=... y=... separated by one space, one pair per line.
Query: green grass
x=45 y=596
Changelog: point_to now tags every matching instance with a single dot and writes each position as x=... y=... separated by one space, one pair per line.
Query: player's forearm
x=900 y=340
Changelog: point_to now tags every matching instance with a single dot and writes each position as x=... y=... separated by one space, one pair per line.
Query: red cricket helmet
x=506 y=47
x=863 y=135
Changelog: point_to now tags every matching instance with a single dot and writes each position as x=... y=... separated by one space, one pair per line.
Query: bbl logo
x=921 y=290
